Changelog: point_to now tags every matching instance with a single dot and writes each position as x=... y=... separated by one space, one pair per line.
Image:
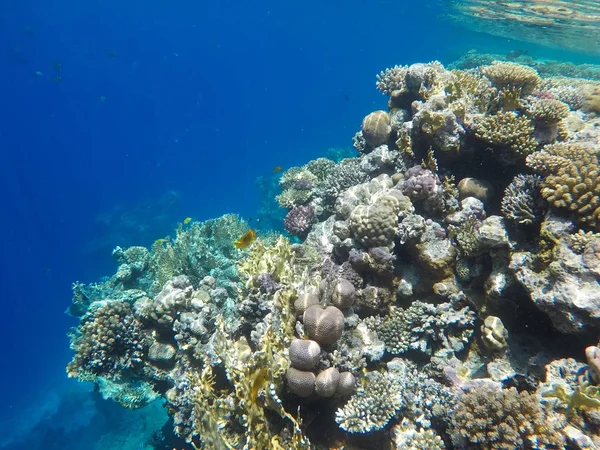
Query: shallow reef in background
x=442 y=289
x=572 y=24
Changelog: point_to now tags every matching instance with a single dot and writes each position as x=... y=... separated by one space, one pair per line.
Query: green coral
x=584 y=396
x=198 y=250
x=131 y=394
x=571 y=179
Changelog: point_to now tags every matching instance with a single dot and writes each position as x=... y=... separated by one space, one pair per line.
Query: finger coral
x=571 y=179
x=507 y=133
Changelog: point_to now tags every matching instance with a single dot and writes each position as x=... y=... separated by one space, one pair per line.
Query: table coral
x=511 y=75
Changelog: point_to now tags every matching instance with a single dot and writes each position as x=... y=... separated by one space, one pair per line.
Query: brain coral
x=571 y=179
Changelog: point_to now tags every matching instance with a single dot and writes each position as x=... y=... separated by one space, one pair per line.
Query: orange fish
x=248 y=238
x=277 y=169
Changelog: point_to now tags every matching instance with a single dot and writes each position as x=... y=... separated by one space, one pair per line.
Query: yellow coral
x=571 y=179
x=509 y=132
x=276 y=260
x=254 y=377
x=511 y=75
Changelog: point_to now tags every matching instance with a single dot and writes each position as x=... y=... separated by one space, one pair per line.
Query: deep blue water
x=119 y=119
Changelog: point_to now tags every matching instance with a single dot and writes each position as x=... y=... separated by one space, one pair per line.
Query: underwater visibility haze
x=315 y=225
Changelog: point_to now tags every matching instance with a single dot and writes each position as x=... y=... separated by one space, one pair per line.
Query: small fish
x=249 y=219
x=160 y=241
x=101 y=99
x=244 y=241
x=346 y=97
x=277 y=169
x=257 y=383
x=187 y=220
x=112 y=53
x=57 y=66
x=39 y=74
x=57 y=79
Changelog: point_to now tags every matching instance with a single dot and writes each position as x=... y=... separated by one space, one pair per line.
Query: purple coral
x=298 y=221
x=419 y=183
x=267 y=283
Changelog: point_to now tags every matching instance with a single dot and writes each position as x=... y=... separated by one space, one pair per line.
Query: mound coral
x=571 y=179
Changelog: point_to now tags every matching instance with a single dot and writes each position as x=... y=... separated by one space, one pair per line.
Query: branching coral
x=546 y=110
x=425 y=327
x=571 y=179
x=392 y=80
x=511 y=75
x=109 y=343
x=376 y=401
x=509 y=133
x=522 y=201
x=493 y=418
x=198 y=250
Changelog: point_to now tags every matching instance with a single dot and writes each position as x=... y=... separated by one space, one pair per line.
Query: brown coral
x=512 y=134
x=512 y=76
x=571 y=179
x=492 y=418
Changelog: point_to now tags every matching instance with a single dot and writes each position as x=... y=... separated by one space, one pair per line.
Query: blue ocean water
x=119 y=119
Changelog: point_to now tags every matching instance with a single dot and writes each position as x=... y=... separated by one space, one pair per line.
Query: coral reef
x=406 y=309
